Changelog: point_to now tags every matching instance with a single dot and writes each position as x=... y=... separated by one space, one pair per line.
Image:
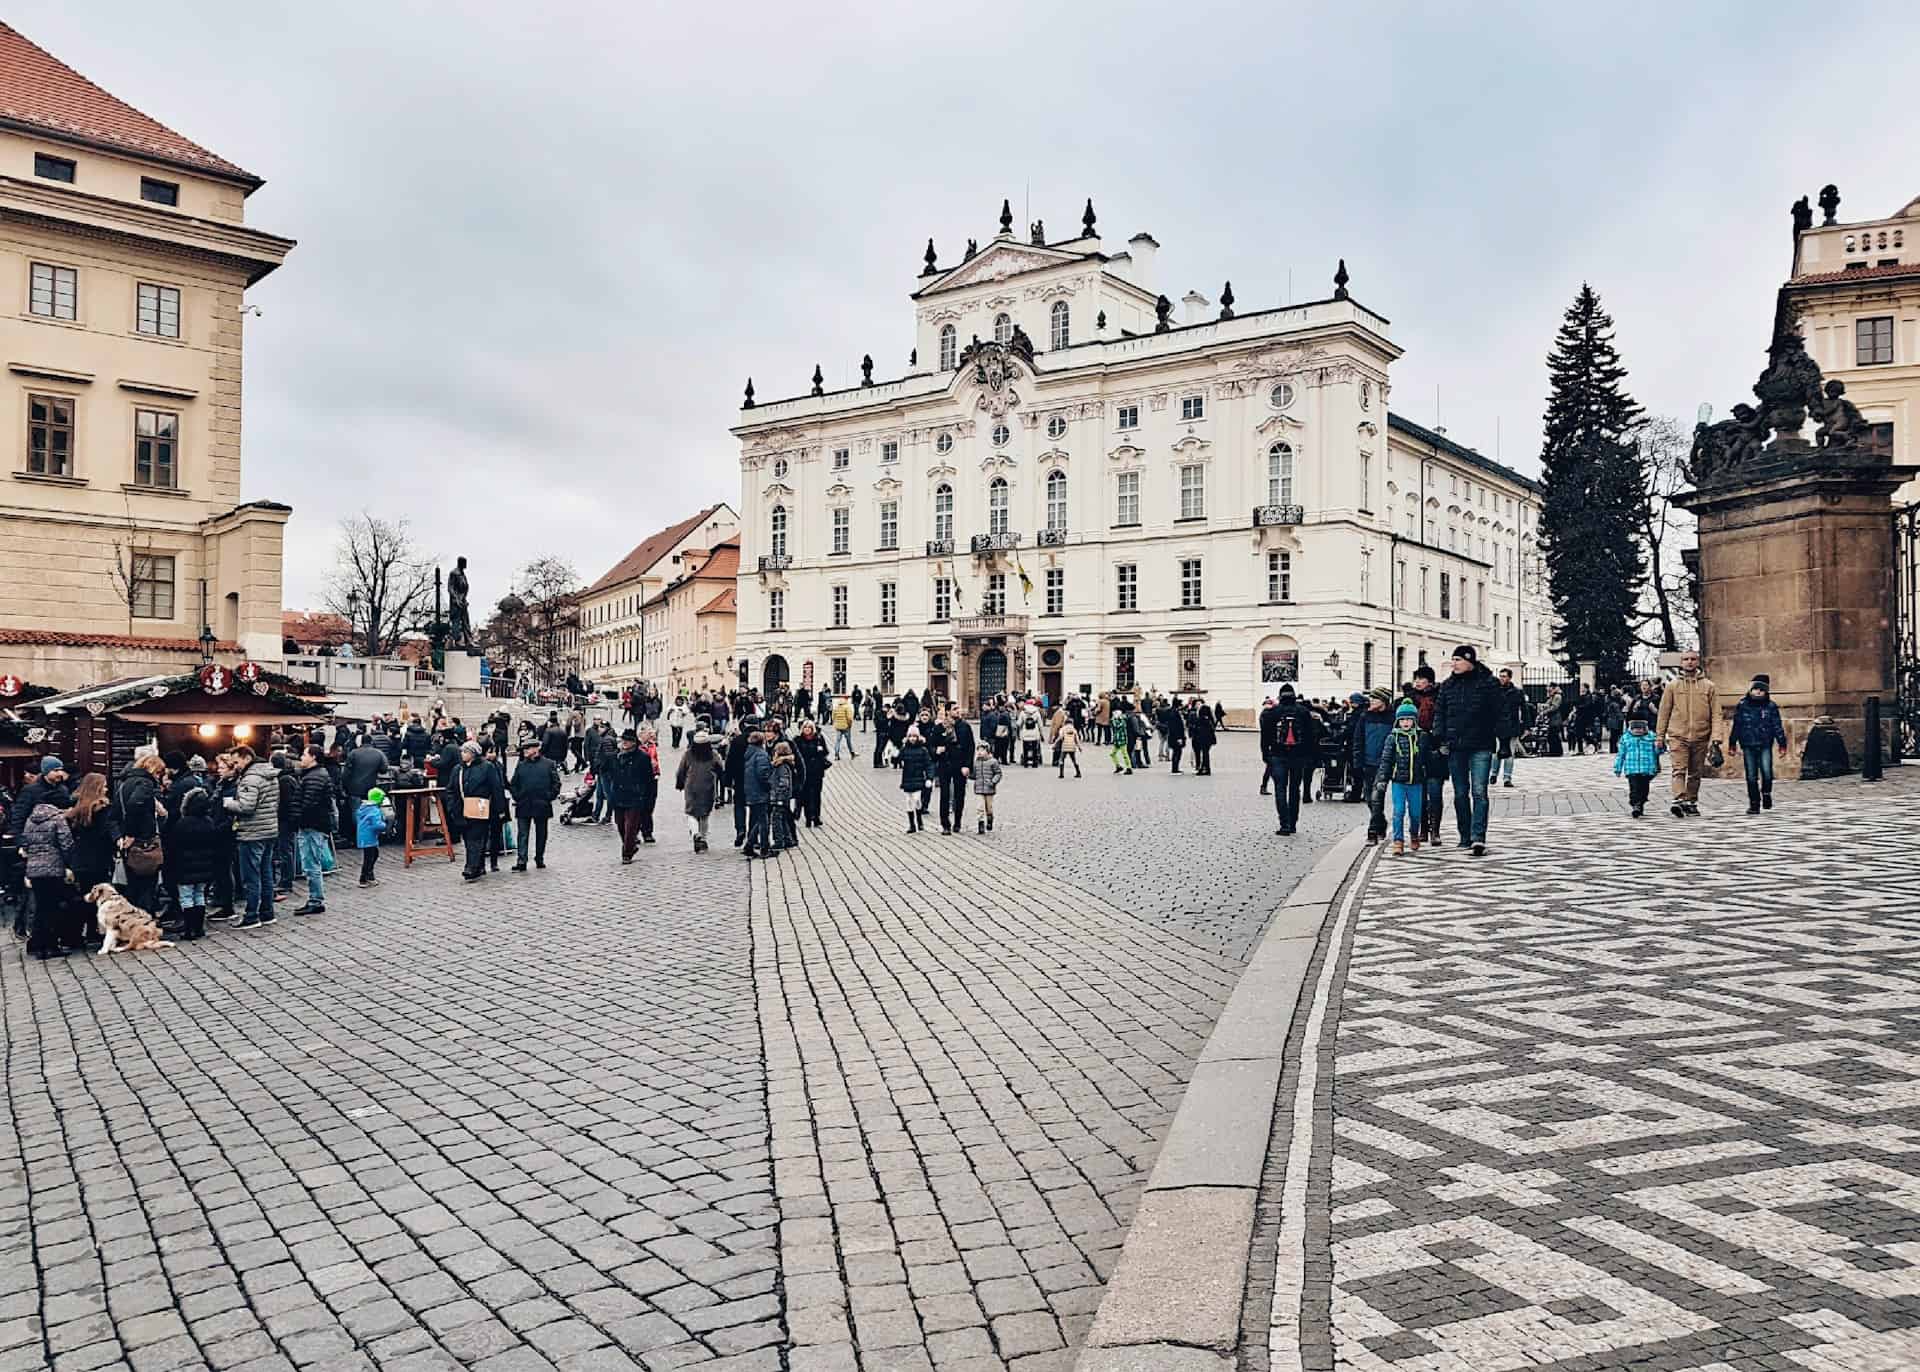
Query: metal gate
x=1906 y=632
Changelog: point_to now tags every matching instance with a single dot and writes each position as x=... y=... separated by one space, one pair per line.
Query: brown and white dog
x=122 y=923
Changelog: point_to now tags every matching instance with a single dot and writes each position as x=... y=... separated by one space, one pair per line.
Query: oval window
x=943 y=444
x=1281 y=396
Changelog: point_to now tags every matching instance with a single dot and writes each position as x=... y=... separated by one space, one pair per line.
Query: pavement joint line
x=1135 y=1301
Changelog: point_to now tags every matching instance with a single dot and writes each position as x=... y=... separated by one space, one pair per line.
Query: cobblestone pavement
x=885 y=1102
x=1622 y=1094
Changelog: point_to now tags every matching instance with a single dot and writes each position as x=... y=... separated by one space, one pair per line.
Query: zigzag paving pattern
x=1630 y=1095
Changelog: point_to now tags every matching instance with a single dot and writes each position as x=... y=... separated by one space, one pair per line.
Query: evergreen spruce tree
x=1591 y=467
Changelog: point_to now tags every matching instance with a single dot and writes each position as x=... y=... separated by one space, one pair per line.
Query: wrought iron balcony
x=1274 y=516
x=993 y=543
x=1053 y=538
x=775 y=562
x=990 y=624
x=939 y=547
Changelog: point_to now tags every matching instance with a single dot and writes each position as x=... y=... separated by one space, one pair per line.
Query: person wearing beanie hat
x=1370 y=729
x=1467 y=720
x=1638 y=759
x=370 y=825
x=1757 y=730
x=1402 y=770
x=1290 y=741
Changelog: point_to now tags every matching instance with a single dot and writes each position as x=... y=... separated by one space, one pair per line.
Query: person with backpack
x=1290 y=740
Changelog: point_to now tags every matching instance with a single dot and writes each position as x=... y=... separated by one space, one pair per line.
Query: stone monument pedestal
x=462 y=671
x=1796 y=582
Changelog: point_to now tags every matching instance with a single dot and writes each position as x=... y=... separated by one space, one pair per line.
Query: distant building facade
x=1076 y=490
x=689 y=624
x=125 y=248
x=1856 y=288
x=612 y=641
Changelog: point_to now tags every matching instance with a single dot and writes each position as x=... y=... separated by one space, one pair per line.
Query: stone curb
x=1174 y=1301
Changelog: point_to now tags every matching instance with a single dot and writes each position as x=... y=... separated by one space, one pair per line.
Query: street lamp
x=353 y=615
x=207 y=640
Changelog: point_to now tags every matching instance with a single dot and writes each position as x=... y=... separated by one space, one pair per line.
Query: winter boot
x=1400 y=848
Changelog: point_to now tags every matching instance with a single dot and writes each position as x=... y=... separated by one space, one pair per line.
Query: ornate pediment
x=886 y=485
x=1126 y=452
x=997 y=462
x=839 y=492
x=1054 y=457
x=1278 y=423
x=1191 y=447
x=998 y=261
x=779 y=490
x=992 y=368
x=940 y=469
x=776 y=441
x=1278 y=362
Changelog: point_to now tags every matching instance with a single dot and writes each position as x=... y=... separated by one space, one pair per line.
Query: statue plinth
x=462 y=670
x=1796 y=576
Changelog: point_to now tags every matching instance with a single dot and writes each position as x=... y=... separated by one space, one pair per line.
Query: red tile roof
x=60 y=638
x=643 y=557
x=723 y=604
x=724 y=565
x=39 y=90
x=1856 y=274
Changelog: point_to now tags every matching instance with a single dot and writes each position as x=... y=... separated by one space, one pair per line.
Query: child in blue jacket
x=1757 y=730
x=1405 y=761
x=1638 y=760
x=370 y=822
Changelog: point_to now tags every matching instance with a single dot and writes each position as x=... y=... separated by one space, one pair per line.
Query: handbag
x=1715 y=757
x=476 y=807
x=143 y=857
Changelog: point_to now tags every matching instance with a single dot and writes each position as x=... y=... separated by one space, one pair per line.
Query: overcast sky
x=542 y=246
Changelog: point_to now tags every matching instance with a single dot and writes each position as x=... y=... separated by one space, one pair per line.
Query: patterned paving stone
x=1623 y=1093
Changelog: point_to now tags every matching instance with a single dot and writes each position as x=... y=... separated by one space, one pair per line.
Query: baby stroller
x=578 y=802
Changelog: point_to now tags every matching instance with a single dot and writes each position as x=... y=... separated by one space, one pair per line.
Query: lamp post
x=207 y=640
x=353 y=616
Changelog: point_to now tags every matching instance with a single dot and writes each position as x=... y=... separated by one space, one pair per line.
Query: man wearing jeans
x=1290 y=741
x=255 y=804
x=1467 y=723
x=314 y=805
x=1514 y=712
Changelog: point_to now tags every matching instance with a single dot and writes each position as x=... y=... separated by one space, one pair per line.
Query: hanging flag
x=1026 y=582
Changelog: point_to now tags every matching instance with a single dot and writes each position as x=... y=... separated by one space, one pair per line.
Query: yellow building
x=613 y=644
x=124 y=258
x=1857 y=289
x=688 y=626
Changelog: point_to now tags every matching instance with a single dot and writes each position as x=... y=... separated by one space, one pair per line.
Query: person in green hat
x=1404 y=763
x=370 y=822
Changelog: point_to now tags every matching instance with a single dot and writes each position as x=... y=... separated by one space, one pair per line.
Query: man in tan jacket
x=1689 y=714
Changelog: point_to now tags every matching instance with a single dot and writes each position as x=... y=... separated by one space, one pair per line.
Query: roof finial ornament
x=1006 y=216
x=1226 y=301
x=1038 y=233
x=1161 y=309
x=818 y=380
x=866 y=370
x=1087 y=220
x=1830 y=203
x=973 y=246
x=1340 y=279
x=1100 y=322
x=932 y=258
x=913 y=358
x=749 y=404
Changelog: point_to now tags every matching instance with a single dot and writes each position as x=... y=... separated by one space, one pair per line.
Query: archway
x=993 y=674
x=773 y=675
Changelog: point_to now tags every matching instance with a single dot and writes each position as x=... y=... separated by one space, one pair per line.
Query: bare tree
x=1666 y=618
x=534 y=626
x=133 y=566
x=381 y=582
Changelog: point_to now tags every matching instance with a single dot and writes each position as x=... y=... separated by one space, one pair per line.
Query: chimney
x=1142 y=246
x=1196 y=308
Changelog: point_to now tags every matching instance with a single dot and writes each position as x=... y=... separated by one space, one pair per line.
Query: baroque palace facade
x=1083 y=493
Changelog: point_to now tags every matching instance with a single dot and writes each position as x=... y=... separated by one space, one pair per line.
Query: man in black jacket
x=635 y=789
x=953 y=764
x=1201 y=728
x=535 y=783
x=1517 y=714
x=362 y=771
x=1173 y=728
x=1290 y=741
x=1467 y=723
x=314 y=805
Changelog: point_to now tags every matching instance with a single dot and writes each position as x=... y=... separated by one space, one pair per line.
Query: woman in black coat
x=476 y=778
x=195 y=856
x=1200 y=729
x=811 y=747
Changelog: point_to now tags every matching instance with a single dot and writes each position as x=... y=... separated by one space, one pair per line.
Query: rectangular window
x=159 y=192
x=1193 y=407
x=886 y=674
x=1190 y=596
x=942 y=599
x=1056 y=590
x=1123 y=668
x=889 y=602
x=1366 y=666
x=159 y=311
x=50 y=435
x=1366 y=576
x=1873 y=341
x=1400 y=585
x=54 y=169
x=1366 y=480
x=1426 y=604
x=1129 y=416
x=1279 y=576
x=55 y=293
x=996 y=598
x=889 y=453
x=839 y=607
x=1399 y=666
x=889 y=524
x=1480 y=593
x=1126 y=587
x=837 y=666
x=1127 y=508
x=152 y=587
x=1446 y=595
x=842 y=458
x=156 y=446
x=776 y=609
x=1193 y=492
x=842 y=529
x=1878 y=439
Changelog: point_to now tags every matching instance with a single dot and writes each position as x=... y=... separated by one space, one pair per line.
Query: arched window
x=998 y=495
x=1003 y=328
x=1056 y=499
x=779 y=540
x=1280 y=475
x=1059 y=331
x=943 y=511
x=949 y=348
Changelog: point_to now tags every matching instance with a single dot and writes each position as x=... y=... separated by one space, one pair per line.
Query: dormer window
x=1060 y=331
x=53 y=168
x=160 y=192
x=1003 y=328
x=949 y=348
